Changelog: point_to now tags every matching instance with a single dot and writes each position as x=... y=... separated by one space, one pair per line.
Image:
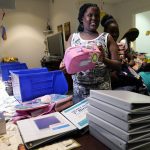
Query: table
x=12 y=139
x=88 y=142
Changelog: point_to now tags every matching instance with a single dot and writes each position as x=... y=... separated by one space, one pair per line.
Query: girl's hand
x=122 y=47
x=62 y=66
x=124 y=61
x=102 y=54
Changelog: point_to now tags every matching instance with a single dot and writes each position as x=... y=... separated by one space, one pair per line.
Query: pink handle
x=93 y=49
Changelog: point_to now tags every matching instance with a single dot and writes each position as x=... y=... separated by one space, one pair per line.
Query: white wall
x=143 y=24
x=125 y=13
x=25 y=27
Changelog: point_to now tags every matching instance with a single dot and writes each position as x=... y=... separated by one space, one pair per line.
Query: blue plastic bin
x=27 y=86
x=7 y=67
x=1 y=63
x=27 y=71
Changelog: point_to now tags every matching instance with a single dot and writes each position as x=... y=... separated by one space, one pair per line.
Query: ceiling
x=113 y=1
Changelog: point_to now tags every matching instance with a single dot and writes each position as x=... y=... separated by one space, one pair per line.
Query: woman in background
x=110 y=26
x=87 y=35
x=123 y=79
x=126 y=40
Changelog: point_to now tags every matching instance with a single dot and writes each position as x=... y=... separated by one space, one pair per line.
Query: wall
x=26 y=23
x=143 y=24
x=125 y=13
x=25 y=27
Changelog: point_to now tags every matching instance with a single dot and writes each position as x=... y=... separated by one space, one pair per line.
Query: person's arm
x=68 y=44
x=125 y=43
x=112 y=62
x=132 y=62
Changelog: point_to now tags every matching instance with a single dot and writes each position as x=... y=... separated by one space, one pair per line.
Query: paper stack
x=119 y=119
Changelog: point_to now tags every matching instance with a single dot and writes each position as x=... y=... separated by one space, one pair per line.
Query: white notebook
x=126 y=100
x=38 y=130
x=124 y=125
x=77 y=114
x=131 y=117
x=102 y=139
x=114 y=142
x=35 y=131
x=125 y=136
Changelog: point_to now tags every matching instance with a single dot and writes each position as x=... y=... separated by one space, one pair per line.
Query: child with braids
x=99 y=77
x=110 y=26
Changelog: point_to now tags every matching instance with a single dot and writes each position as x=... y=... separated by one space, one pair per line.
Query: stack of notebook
x=120 y=119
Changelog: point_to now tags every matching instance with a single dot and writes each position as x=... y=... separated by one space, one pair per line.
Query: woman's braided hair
x=107 y=20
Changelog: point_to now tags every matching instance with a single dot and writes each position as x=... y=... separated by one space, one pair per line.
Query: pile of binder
x=120 y=119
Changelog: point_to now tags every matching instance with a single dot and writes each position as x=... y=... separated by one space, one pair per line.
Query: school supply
x=119 y=119
x=41 y=129
x=77 y=115
x=42 y=105
x=35 y=131
x=81 y=58
x=114 y=142
x=126 y=100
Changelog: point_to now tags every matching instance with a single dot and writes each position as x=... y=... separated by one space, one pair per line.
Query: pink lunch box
x=80 y=58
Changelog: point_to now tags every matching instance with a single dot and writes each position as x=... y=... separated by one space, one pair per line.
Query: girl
x=99 y=77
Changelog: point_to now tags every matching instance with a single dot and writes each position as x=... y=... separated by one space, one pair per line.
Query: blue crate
x=7 y=67
x=27 y=86
x=2 y=63
x=25 y=71
x=31 y=70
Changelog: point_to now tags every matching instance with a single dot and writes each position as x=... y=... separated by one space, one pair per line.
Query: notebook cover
x=126 y=136
x=126 y=100
x=44 y=127
x=114 y=142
